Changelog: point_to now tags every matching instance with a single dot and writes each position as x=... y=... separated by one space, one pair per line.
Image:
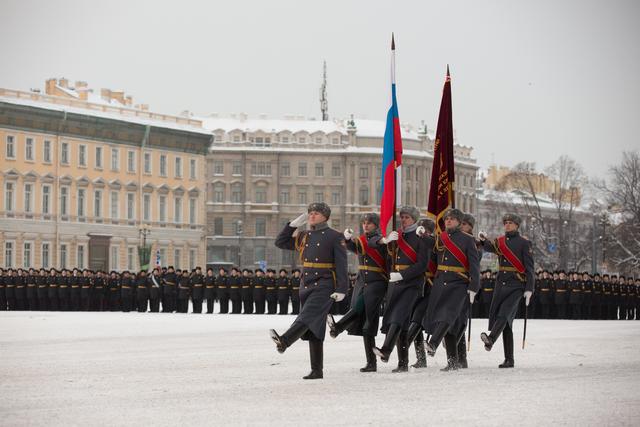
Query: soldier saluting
x=516 y=278
x=324 y=280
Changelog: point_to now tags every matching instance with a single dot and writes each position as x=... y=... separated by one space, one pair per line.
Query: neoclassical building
x=261 y=173
x=80 y=180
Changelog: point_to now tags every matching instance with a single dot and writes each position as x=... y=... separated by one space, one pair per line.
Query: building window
x=335 y=141
x=162 y=208
x=364 y=195
x=177 y=210
x=177 y=257
x=8 y=255
x=82 y=155
x=81 y=198
x=131 y=206
x=261 y=227
x=46 y=151
x=28 y=149
x=318 y=140
x=259 y=253
x=80 y=257
x=284 y=197
x=319 y=169
x=261 y=168
x=285 y=169
x=97 y=203
x=192 y=169
x=45 y=255
x=336 y=169
x=147 y=163
x=146 y=207
x=115 y=159
x=336 y=198
x=8 y=196
x=163 y=256
x=26 y=255
x=407 y=173
x=11 y=147
x=218 y=167
x=237 y=168
x=192 y=259
x=217 y=226
x=378 y=193
x=64 y=153
x=302 y=169
x=64 y=201
x=63 y=256
x=99 y=157
x=284 y=139
x=115 y=258
x=131 y=258
x=163 y=165
x=178 y=167
x=261 y=195
x=46 y=197
x=236 y=193
x=302 y=140
x=131 y=161
x=28 y=198
x=218 y=192
x=364 y=172
x=115 y=202
x=318 y=196
x=302 y=197
x=192 y=211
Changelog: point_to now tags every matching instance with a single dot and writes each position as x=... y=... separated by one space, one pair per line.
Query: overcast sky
x=531 y=80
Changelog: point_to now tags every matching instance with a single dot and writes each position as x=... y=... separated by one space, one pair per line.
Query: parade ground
x=187 y=369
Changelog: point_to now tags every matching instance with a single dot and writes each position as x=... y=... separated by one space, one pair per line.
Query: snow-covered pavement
x=189 y=369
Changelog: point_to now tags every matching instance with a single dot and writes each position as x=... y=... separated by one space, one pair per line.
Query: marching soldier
x=622 y=306
x=544 y=296
x=406 y=284
x=247 y=291
x=74 y=284
x=52 y=290
x=98 y=291
x=295 y=291
x=324 y=280
x=631 y=299
x=596 y=302
x=516 y=278
x=85 y=290
x=222 y=283
x=155 y=290
x=371 y=286
x=32 y=291
x=259 y=294
x=615 y=297
x=271 y=291
x=456 y=283
x=114 y=291
x=587 y=296
x=184 y=291
x=126 y=291
x=210 y=289
x=197 y=290
x=607 y=298
x=41 y=290
x=234 y=291
x=142 y=292
x=575 y=296
x=21 y=290
x=283 y=291
x=169 y=290
x=63 y=290
x=560 y=295
x=486 y=295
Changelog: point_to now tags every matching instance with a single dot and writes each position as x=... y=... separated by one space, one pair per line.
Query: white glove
x=395 y=277
x=393 y=236
x=348 y=234
x=482 y=236
x=420 y=231
x=337 y=296
x=527 y=297
x=472 y=296
x=300 y=221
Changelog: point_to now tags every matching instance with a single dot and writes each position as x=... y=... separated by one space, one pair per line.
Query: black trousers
x=197 y=306
x=183 y=305
x=210 y=302
x=224 y=304
x=154 y=304
x=142 y=304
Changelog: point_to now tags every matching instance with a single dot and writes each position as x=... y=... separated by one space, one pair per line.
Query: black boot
x=421 y=355
x=490 y=339
x=507 y=342
x=414 y=329
x=336 y=328
x=462 y=352
x=294 y=333
x=452 y=353
x=369 y=344
x=389 y=342
x=440 y=329
x=315 y=356
x=403 y=353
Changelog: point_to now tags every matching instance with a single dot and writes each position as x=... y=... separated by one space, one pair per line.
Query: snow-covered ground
x=199 y=369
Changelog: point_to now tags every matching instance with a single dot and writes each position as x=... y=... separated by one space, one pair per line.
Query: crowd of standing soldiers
x=164 y=289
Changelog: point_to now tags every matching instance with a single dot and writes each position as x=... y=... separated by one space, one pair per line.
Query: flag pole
x=394 y=226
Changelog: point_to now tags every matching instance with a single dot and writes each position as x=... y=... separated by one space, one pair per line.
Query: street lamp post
x=239 y=234
x=144 y=253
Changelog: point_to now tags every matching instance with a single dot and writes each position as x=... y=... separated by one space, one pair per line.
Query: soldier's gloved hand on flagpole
x=527 y=297
x=395 y=277
x=482 y=236
x=337 y=296
x=299 y=221
x=348 y=234
x=472 y=296
x=393 y=236
x=420 y=231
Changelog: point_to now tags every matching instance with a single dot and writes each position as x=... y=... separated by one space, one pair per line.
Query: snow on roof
x=103 y=114
x=517 y=197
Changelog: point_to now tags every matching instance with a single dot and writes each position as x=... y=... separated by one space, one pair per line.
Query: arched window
x=218 y=192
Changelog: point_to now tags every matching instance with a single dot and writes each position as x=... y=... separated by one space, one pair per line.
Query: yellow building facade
x=86 y=188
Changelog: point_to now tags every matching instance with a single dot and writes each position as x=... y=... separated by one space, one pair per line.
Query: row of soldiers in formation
x=427 y=278
x=246 y=291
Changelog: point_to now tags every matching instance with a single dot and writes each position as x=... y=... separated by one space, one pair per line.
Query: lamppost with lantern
x=144 y=251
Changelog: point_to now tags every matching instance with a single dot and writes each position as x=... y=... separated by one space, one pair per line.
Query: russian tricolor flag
x=391 y=155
